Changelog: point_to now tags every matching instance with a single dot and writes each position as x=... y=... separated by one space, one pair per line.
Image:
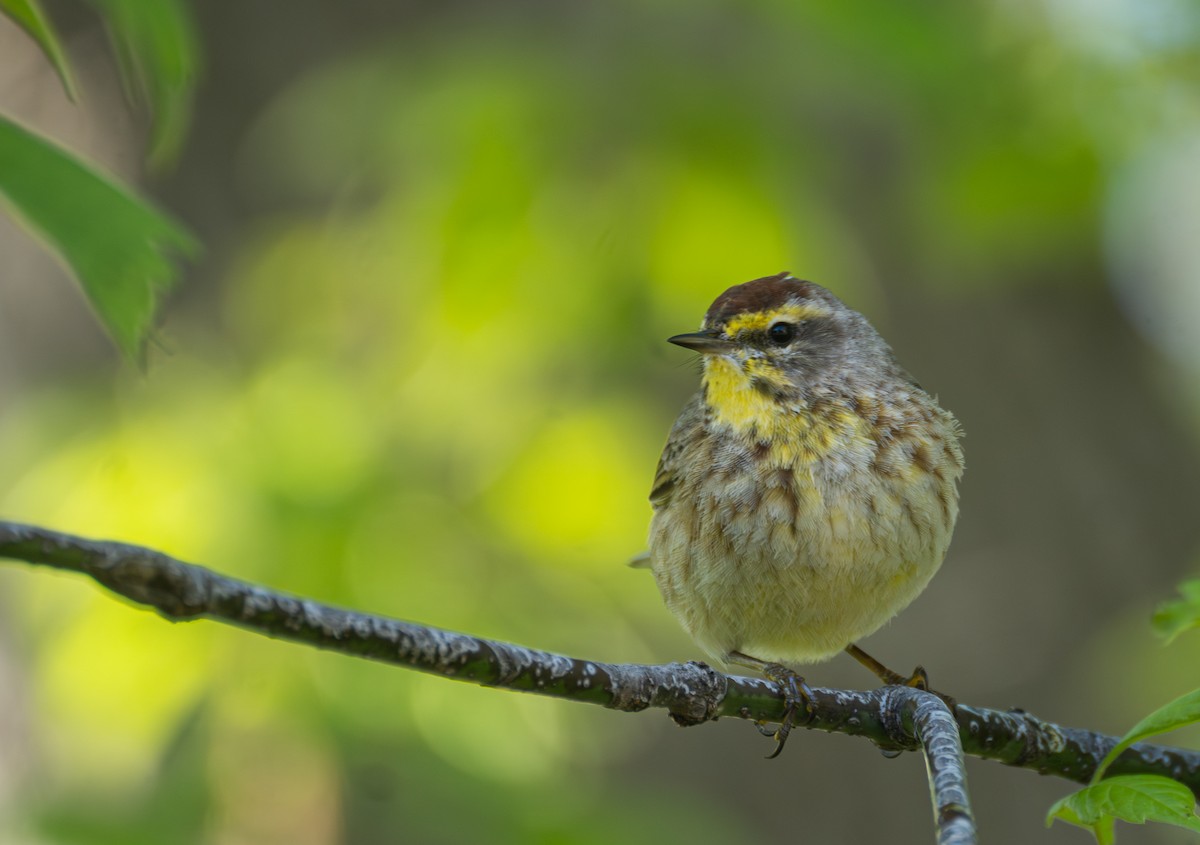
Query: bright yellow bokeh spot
x=713 y=229
x=309 y=434
x=113 y=684
x=152 y=476
x=579 y=488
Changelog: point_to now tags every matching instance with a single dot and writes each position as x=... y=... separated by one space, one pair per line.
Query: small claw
x=919 y=679
x=781 y=737
x=797 y=693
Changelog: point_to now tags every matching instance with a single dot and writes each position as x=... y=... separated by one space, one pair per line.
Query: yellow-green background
x=420 y=371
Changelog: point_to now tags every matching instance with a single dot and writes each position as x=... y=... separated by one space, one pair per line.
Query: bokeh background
x=420 y=370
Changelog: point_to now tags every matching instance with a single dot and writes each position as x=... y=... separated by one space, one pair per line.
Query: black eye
x=781 y=334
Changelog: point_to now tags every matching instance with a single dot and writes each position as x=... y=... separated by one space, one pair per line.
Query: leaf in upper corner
x=28 y=15
x=1181 y=712
x=157 y=47
x=123 y=252
x=1174 y=617
x=1136 y=799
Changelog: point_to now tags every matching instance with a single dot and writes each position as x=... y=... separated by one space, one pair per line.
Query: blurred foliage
x=123 y=252
x=429 y=382
x=1172 y=618
x=156 y=45
x=29 y=15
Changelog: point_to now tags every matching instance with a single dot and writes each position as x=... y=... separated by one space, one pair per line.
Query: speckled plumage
x=807 y=492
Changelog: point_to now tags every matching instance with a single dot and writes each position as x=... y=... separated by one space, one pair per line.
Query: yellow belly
x=804 y=561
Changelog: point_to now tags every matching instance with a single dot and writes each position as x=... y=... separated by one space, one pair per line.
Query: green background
x=420 y=370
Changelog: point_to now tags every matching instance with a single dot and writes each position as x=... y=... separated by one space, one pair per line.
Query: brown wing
x=687 y=429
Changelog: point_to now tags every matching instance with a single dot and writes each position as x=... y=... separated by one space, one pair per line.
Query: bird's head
x=781 y=338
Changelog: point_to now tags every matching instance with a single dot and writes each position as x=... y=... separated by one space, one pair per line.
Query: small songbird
x=807 y=492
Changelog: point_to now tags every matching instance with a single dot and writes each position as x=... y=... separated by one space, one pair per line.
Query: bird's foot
x=797 y=695
x=919 y=679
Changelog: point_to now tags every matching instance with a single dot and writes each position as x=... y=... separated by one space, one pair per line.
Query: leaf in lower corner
x=28 y=15
x=1179 y=713
x=1063 y=810
x=123 y=252
x=1174 y=617
x=1136 y=799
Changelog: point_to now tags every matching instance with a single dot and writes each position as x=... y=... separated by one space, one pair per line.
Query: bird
x=807 y=492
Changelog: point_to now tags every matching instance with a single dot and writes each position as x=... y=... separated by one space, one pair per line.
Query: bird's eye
x=781 y=334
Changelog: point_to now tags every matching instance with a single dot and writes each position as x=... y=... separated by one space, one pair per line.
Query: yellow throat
x=794 y=430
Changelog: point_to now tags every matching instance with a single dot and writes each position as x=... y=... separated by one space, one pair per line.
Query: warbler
x=807 y=493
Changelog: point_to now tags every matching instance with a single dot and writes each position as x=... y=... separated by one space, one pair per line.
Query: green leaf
x=1174 y=617
x=1184 y=710
x=123 y=252
x=157 y=48
x=1129 y=798
x=28 y=15
x=1101 y=829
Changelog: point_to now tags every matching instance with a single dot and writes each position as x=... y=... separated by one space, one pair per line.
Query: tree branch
x=935 y=725
x=892 y=718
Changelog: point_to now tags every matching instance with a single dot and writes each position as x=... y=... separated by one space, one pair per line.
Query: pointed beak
x=706 y=342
